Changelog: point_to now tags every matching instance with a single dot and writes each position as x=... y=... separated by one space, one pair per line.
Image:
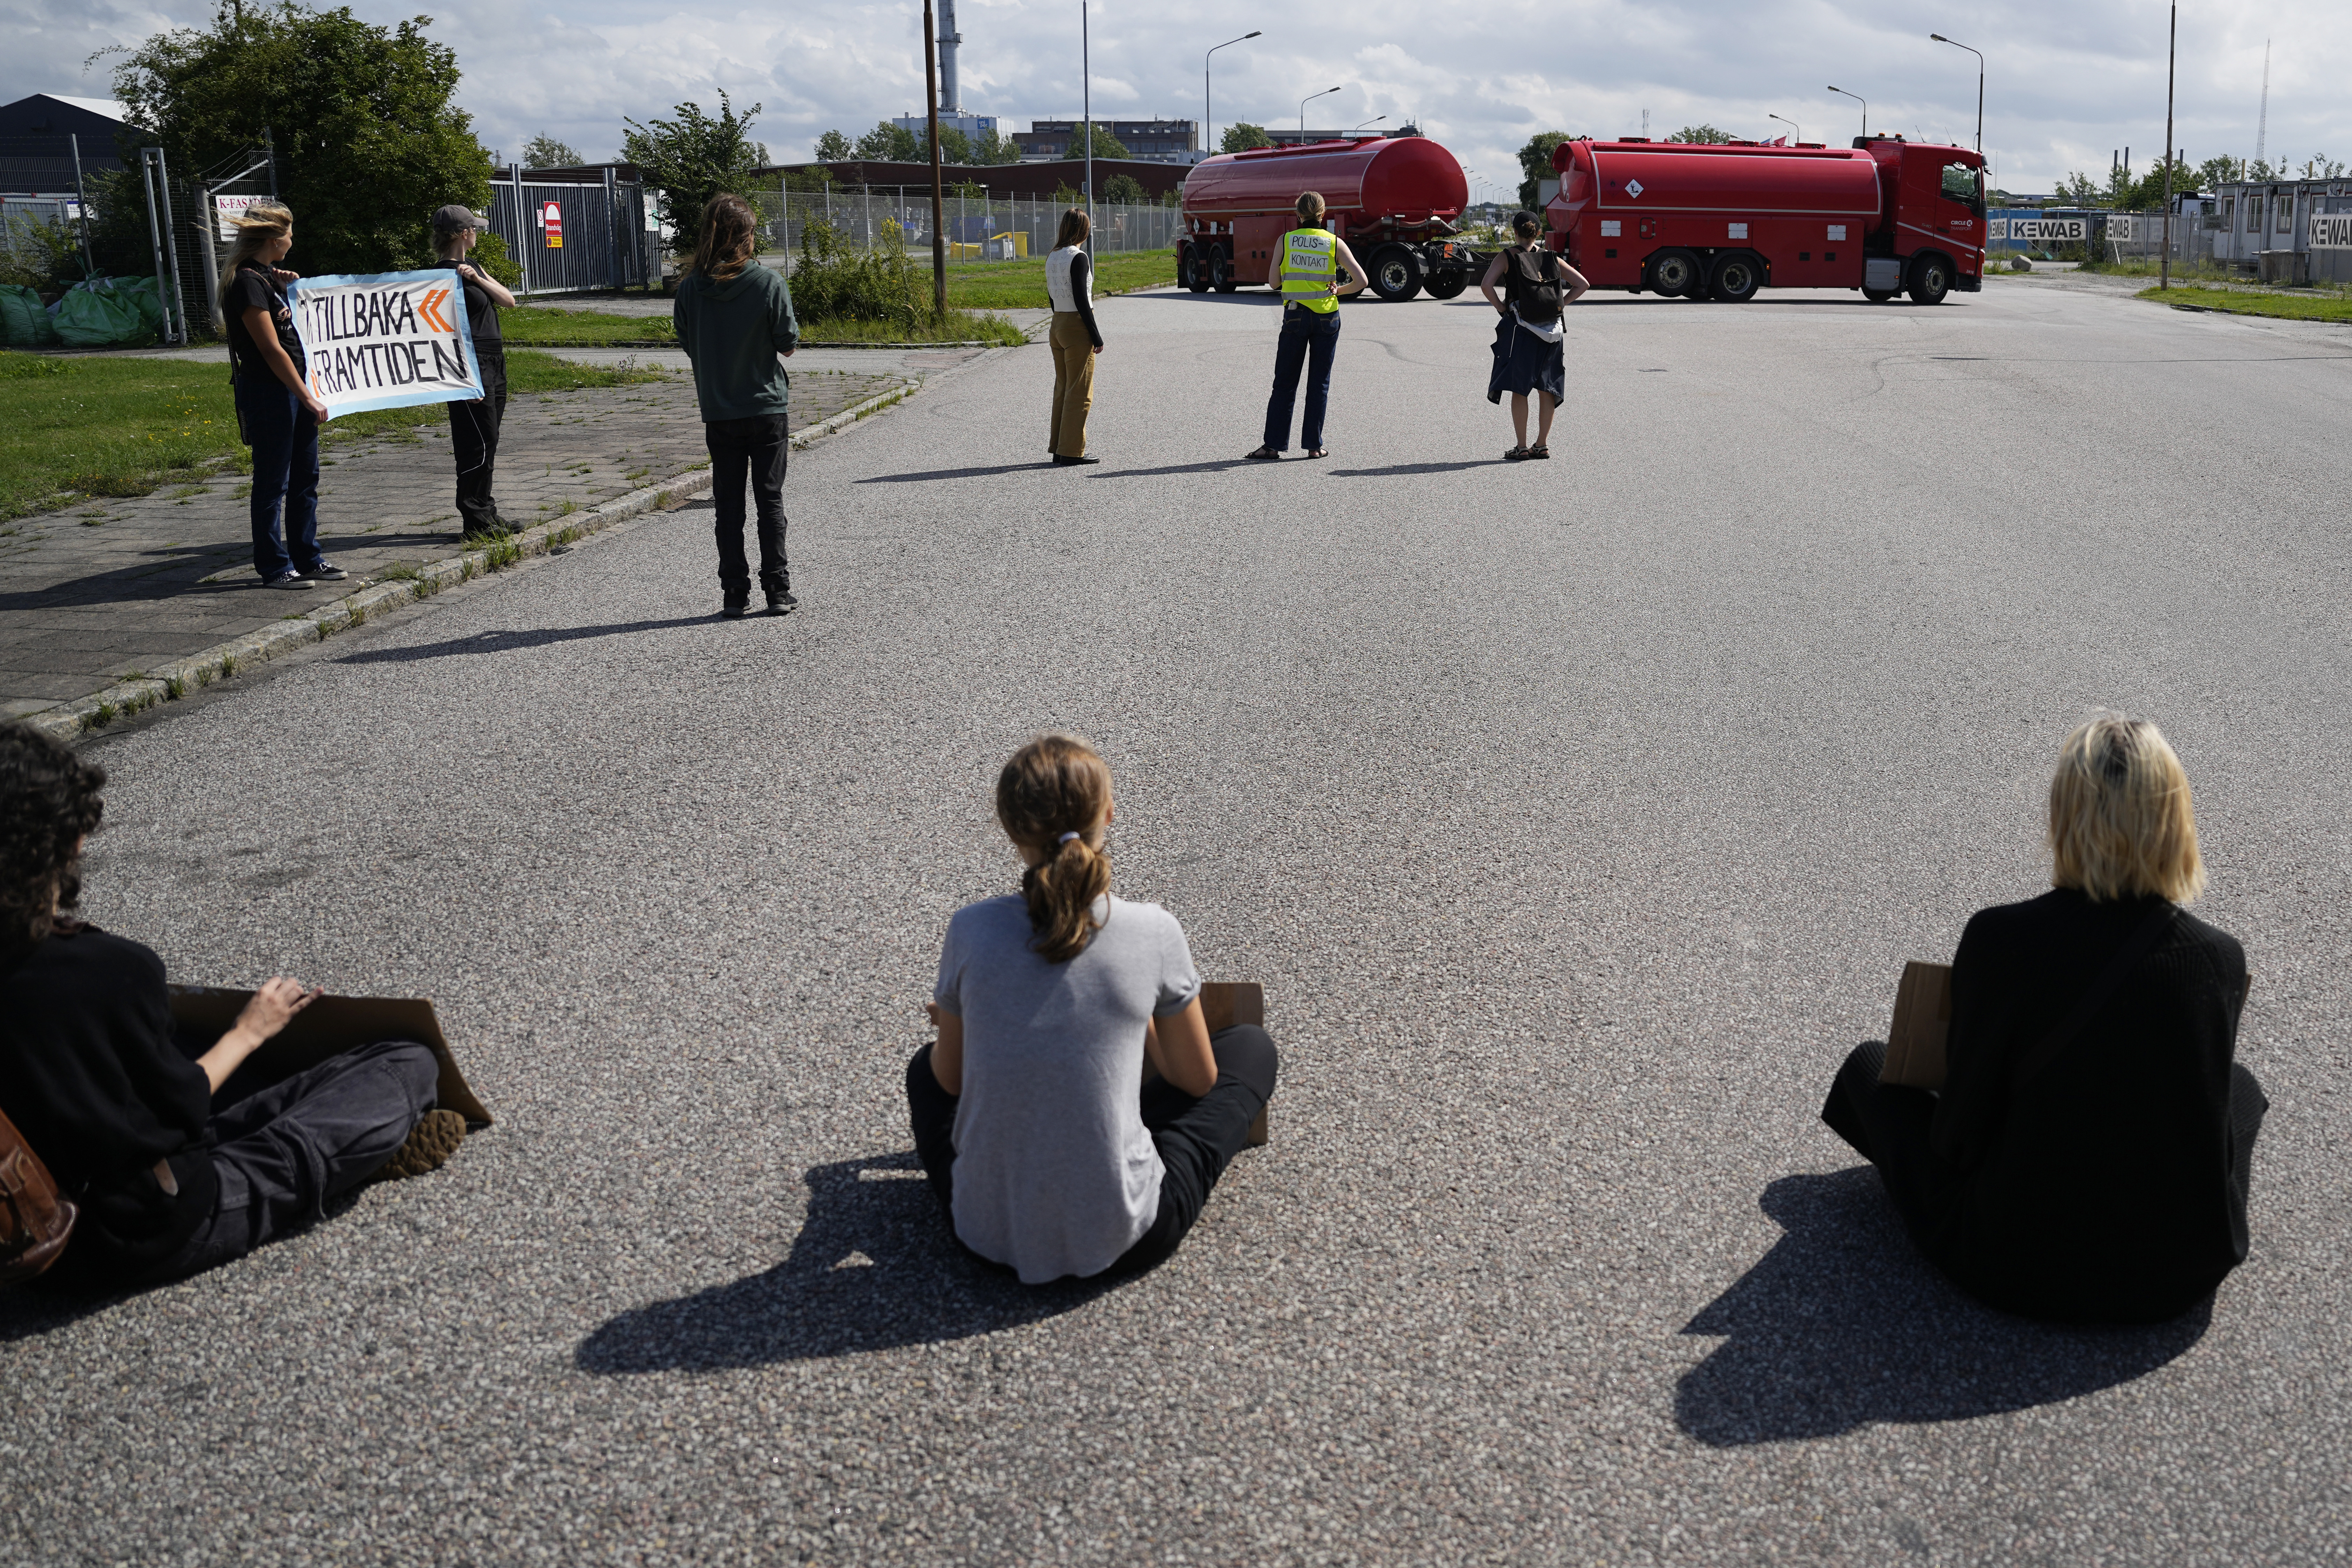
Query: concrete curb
x=69 y=720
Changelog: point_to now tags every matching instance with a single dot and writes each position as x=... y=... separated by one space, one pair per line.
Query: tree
x=955 y=147
x=2077 y=191
x=2215 y=171
x=1535 y=163
x=2321 y=168
x=1106 y=144
x=2145 y=193
x=1242 y=136
x=693 y=158
x=995 y=149
x=888 y=143
x=368 y=141
x=833 y=147
x=1124 y=189
x=544 y=151
x=1706 y=134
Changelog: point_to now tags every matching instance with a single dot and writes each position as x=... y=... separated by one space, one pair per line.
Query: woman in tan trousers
x=1069 y=283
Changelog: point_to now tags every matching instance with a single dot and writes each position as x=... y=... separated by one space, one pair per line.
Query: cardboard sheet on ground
x=385 y=341
x=1923 y=1017
x=325 y=1028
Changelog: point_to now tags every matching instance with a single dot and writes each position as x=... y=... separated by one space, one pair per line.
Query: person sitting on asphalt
x=1306 y=272
x=1077 y=340
x=734 y=319
x=1530 y=341
x=277 y=414
x=1026 y=1111
x=2089 y=1155
x=90 y=1073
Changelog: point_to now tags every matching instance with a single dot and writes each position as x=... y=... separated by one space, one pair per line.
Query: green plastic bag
x=23 y=321
x=105 y=312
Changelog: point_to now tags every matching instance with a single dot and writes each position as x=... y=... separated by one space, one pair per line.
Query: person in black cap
x=474 y=425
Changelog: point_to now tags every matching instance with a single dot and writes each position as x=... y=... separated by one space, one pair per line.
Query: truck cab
x=1933 y=219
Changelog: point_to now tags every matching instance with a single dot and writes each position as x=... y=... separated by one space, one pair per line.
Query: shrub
x=834 y=281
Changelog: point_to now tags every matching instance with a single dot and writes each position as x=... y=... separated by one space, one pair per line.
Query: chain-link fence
x=976 y=228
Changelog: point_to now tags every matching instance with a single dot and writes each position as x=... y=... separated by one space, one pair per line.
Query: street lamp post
x=1939 y=38
x=1865 y=108
x=1789 y=123
x=1208 y=121
x=1375 y=119
x=1302 y=107
x=1087 y=103
x=939 y=214
x=2172 y=56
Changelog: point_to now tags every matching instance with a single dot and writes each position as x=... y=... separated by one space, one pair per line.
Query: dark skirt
x=1524 y=362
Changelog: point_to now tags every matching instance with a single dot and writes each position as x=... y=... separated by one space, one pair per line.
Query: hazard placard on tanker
x=385 y=341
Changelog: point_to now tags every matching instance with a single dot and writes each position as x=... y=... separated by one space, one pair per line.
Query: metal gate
x=571 y=237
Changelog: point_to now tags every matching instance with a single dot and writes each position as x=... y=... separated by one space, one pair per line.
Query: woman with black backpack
x=1529 y=351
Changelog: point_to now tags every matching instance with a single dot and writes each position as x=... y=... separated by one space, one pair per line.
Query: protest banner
x=386 y=340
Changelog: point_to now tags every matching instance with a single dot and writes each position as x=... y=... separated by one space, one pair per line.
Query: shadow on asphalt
x=954 y=473
x=1214 y=466
x=1844 y=1324
x=507 y=642
x=874 y=1267
x=1396 y=469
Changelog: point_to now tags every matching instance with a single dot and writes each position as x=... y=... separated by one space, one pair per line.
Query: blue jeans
x=1310 y=338
x=284 y=442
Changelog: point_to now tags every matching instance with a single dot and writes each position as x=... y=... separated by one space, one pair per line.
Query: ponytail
x=1051 y=798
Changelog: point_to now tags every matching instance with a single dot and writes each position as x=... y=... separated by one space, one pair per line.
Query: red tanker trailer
x=1393 y=199
x=1720 y=221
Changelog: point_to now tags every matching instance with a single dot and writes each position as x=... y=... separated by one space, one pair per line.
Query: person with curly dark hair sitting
x=92 y=1077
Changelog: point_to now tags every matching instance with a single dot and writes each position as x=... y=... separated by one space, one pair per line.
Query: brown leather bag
x=34 y=1222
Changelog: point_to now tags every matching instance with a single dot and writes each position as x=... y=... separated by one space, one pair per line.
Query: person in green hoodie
x=734 y=319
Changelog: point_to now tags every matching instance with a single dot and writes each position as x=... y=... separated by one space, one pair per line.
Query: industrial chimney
x=951 y=97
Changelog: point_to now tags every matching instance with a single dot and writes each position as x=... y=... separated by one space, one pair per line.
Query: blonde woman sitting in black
x=2089 y=1155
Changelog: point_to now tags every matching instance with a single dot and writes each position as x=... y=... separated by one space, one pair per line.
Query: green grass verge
x=549 y=327
x=2247 y=303
x=71 y=427
x=1020 y=285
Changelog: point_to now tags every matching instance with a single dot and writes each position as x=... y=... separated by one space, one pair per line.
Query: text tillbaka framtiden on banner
x=385 y=341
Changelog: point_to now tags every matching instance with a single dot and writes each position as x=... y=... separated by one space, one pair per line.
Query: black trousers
x=283 y=1155
x=754 y=448
x=1196 y=1138
x=1888 y=1125
x=474 y=433
x=1310 y=341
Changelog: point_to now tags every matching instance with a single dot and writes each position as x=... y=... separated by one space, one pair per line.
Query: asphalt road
x=1577 y=817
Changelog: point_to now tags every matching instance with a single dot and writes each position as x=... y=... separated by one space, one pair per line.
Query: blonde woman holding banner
x=276 y=414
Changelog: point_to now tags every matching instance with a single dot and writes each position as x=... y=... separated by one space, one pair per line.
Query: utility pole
x=2171 y=59
x=939 y=215
x=1086 y=104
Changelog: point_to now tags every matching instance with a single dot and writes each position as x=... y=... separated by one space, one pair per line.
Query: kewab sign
x=386 y=340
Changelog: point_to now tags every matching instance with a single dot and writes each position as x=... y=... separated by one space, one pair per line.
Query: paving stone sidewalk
x=107 y=589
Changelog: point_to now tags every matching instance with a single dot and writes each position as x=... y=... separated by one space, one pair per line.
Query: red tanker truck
x=1393 y=199
x=1720 y=221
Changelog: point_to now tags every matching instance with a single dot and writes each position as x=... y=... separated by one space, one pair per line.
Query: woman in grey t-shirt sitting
x=1026 y=1112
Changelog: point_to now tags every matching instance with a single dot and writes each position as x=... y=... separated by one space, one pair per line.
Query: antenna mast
x=2262 y=125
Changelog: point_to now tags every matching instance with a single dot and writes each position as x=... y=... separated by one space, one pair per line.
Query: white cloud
x=2065 y=84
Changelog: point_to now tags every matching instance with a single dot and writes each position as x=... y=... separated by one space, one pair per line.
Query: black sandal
x=1516 y=455
x=1542 y=452
x=1265 y=455
x=1320 y=452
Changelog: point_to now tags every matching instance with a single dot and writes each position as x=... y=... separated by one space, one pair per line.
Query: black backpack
x=1531 y=286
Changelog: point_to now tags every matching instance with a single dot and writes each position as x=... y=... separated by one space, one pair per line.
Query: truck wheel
x=1931 y=279
x=1447 y=283
x=1396 y=273
x=1673 y=272
x=1735 y=277
x=1196 y=271
x=1221 y=271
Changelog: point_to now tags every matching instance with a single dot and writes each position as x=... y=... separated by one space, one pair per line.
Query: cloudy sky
x=2067 y=83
